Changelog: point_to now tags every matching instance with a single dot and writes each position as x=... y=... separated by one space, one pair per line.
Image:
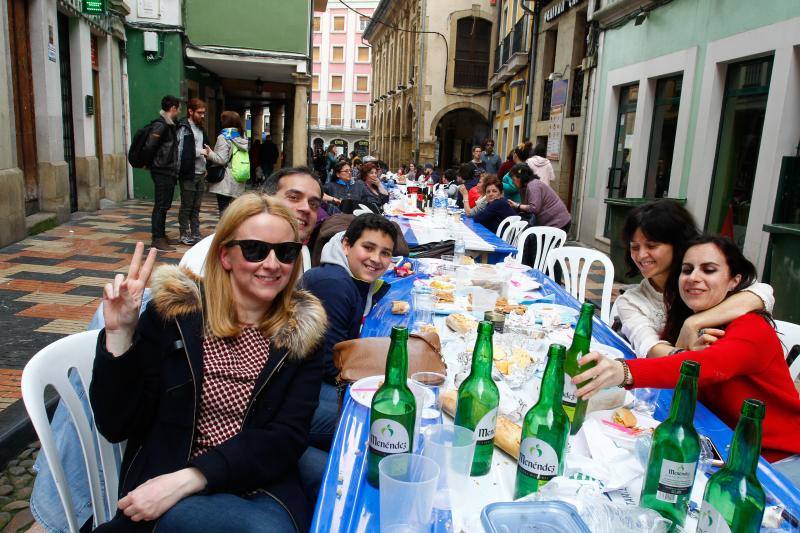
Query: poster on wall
x=558 y=100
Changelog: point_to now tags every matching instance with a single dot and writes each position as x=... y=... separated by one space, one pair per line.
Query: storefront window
x=746 y=90
x=662 y=137
x=626 y=120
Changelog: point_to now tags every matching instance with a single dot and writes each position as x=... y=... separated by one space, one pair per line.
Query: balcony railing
x=471 y=73
x=546 y=98
x=339 y=123
x=576 y=96
x=516 y=42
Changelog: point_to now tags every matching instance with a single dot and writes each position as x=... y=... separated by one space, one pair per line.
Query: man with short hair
x=161 y=148
x=192 y=151
x=477 y=165
x=491 y=160
x=348 y=283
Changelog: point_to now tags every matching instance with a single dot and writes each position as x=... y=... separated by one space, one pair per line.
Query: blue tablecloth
x=346 y=502
x=501 y=247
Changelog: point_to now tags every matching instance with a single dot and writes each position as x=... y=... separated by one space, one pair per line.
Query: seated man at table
x=496 y=209
x=348 y=284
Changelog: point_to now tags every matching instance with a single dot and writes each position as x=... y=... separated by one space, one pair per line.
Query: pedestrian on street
x=192 y=147
x=162 y=149
x=490 y=159
x=268 y=156
x=330 y=160
x=541 y=166
x=231 y=136
x=476 y=164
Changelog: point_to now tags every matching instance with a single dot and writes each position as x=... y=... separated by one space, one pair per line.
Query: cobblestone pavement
x=16 y=484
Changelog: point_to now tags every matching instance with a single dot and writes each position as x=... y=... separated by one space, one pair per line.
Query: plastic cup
x=482 y=300
x=432 y=382
x=644 y=400
x=421 y=397
x=423 y=308
x=407 y=488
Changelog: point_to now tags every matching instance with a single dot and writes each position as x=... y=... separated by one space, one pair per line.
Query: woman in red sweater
x=743 y=361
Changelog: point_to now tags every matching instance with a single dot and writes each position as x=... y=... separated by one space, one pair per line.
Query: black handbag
x=214 y=173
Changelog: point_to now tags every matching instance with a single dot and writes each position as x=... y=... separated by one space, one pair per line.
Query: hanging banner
x=558 y=100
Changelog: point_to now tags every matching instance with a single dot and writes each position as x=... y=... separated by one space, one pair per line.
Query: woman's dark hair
x=662 y=221
x=366 y=168
x=522 y=172
x=231 y=119
x=339 y=165
x=491 y=179
x=465 y=171
x=738 y=265
x=450 y=175
x=540 y=150
x=369 y=221
x=522 y=153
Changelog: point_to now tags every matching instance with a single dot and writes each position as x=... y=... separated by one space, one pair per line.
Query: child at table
x=747 y=362
x=348 y=284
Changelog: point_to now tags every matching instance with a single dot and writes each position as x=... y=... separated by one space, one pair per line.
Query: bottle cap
x=557 y=350
x=690 y=368
x=399 y=332
x=587 y=307
x=753 y=408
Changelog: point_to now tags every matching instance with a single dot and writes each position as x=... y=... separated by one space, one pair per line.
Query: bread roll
x=507 y=434
x=399 y=307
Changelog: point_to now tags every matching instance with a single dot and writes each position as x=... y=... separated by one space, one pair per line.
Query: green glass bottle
x=674 y=453
x=478 y=399
x=734 y=498
x=393 y=411
x=545 y=430
x=574 y=406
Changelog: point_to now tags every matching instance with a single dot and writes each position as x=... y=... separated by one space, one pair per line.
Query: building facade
x=430 y=65
x=562 y=64
x=253 y=58
x=695 y=105
x=63 y=108
x=341 y=89
x=510 y=75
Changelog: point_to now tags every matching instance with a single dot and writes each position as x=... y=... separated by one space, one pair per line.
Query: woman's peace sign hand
x=122 y=299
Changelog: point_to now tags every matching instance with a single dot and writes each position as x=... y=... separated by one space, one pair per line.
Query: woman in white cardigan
x=228 y=189
x=656 y=234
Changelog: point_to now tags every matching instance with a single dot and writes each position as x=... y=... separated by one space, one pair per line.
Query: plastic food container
x=532 y=517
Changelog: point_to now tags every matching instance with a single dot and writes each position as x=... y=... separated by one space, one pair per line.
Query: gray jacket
x=221 y=156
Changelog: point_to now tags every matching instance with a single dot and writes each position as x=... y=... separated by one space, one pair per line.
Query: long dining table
x=347 y=503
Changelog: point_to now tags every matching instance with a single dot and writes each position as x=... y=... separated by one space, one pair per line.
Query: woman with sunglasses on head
x=656 y=234
x=214 y=387
x=343 y=186
x=747 y=362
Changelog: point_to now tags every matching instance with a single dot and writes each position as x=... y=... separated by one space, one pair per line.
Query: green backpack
x=240 y=164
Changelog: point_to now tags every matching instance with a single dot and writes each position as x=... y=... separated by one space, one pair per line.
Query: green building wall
x=274 y=25
x=677 y=26
x=148 y=82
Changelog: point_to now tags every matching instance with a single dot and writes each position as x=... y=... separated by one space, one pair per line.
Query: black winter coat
x=161 y=147
x=151 y=394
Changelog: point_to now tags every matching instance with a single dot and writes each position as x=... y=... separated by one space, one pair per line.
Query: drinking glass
x=423 y=307
x=432 y=408
x=407 y=488
x=644 y=400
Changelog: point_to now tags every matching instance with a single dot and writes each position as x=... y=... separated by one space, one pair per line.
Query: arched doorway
x=457 y=131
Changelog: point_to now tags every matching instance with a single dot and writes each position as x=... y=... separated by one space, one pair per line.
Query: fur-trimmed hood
x=176 y=292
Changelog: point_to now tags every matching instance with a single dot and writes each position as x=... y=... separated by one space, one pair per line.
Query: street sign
x=94 y=7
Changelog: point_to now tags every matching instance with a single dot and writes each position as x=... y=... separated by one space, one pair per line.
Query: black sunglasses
x=256 y=251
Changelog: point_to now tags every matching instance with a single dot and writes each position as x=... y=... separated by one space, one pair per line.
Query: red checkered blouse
x=230 y=369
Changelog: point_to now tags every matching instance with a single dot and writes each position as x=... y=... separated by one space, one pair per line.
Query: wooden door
x=22 y=85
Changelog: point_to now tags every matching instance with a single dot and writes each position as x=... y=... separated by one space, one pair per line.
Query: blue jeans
x=226 y=512
x=323 y=425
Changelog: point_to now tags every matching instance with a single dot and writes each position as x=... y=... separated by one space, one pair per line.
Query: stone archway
x=408 y=134
x=398 y=156
x=456 y=132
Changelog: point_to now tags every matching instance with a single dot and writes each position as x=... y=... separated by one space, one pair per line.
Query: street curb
x=16 y=430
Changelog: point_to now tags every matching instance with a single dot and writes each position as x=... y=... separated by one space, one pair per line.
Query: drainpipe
x=535 y=13
x=420 y=81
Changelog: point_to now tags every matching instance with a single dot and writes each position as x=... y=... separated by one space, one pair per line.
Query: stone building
x=430 y=64
x=63 y=110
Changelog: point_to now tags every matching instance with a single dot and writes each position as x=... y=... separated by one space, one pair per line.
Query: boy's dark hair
x=369 y=221
x=450 y=175
x=664 y=221
x=169 y=102
x=465 y=171
x=273 y=181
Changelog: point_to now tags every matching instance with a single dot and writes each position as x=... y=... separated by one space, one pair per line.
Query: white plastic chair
x=305 y=254
x=359 y=212
x=512 y=232
x=51 y=366
x=195 y=257
x=546 y=240
x=363 y=207
x=505 y=222
x=576 y=262
x=789 y=333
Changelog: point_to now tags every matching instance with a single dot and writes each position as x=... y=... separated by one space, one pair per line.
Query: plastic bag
x=597 y=510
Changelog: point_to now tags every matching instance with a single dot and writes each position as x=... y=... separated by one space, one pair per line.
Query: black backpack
x=136 y=155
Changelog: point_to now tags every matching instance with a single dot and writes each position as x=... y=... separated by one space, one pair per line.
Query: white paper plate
x=364 y=389
x=568 y=314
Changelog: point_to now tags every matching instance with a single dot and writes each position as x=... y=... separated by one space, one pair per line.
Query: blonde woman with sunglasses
x=214 y=387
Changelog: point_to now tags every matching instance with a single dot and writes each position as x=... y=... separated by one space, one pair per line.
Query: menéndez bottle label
x=711 y=521
x=387 y=437
x=484 y=431
x=675 y=480
x=569 y=400
x=538 y=459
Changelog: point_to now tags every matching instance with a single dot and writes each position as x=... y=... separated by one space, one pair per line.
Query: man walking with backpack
x=161 y=151
x=192 y=142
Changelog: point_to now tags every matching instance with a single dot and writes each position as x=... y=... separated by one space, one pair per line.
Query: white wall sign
x=148 y=9
x=554 y=134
